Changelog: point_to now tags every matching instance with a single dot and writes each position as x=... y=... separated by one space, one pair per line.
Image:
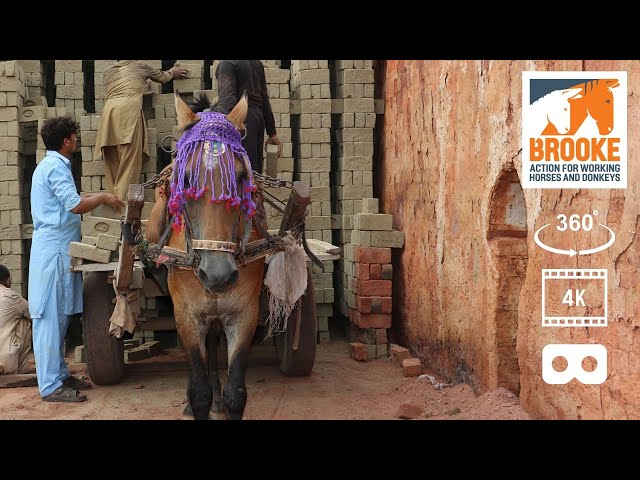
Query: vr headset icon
x=574 y=353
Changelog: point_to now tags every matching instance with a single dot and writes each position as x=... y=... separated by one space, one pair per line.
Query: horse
x=211 y=204
x=596 y=102
x=550 y=114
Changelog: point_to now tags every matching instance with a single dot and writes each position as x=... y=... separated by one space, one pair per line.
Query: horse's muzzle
x=217 y=272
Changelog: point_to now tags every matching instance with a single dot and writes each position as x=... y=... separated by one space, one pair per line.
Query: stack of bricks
x=99 y=68
x=353 y=174
x=69 y=82
x=194 y=78
x=278 y=88
x=92 y=179
x=214 y=82
x=12 y=94
x=164 y=121
x=310 y=84
x=34 y=80
x=185 y=87
x=31 y=116
x=368 y=269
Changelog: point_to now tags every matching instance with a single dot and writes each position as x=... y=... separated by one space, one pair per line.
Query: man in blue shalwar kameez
x=54 y=291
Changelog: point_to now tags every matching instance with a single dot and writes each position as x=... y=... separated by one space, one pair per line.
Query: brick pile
x=69 y=84
x=12 y=94
x=310 y=85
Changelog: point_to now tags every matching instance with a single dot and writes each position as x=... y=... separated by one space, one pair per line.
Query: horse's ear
x=239 y=112
x=186 y=117
x=613 y=84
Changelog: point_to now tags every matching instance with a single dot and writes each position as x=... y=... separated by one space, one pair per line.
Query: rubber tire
x=300 y=363
x=103 y=352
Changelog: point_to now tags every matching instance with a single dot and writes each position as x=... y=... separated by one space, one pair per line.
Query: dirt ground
x=338 y=389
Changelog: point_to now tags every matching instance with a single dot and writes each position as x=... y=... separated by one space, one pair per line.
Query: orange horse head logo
x=596 y=100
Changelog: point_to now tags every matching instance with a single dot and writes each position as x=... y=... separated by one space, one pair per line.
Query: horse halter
x=213 y=142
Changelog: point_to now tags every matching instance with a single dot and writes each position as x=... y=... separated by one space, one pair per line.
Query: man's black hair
x=55 y=130
x=4 y=274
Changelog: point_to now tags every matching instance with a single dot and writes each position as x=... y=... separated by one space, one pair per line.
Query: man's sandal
x=76 y=383
x=65 y=394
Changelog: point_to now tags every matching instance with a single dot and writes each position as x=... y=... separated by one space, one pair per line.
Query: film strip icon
x=572 y=285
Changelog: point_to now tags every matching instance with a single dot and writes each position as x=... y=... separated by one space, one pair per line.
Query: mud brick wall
x=194 y=78
x=69 y=85
x=352 y=157
x=302 y=102
x=278 y=88
x=34 y=81
x=12 y=93
x=311 y=130
x=99 y=67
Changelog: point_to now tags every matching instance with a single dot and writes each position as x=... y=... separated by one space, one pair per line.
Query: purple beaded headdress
x=214 y=140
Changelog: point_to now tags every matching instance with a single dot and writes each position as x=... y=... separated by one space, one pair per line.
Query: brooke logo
x=574 y=129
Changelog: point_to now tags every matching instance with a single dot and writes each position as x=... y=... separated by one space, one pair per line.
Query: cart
x=104 y=353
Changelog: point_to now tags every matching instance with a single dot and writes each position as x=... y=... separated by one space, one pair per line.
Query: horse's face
x=219 y=222
x=597 y=101
x=214 y=183
x=560 y=115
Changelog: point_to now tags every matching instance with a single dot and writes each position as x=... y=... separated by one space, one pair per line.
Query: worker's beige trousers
x=123 y=165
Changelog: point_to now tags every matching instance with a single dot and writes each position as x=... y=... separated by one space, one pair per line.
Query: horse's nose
x=217 y=274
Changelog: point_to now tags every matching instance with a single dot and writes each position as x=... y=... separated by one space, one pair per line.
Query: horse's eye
x=608 y=101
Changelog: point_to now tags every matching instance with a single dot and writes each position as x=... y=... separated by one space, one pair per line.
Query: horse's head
x=559 y=115
x=211 y=190
x=597 y=101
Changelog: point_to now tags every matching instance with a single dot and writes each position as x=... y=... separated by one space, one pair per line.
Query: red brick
x=363 y=304
x=359 y=352
x=376 y=305
x=373 y=255
x=370 y=320
x=362 y=271
x=386 y=304
x=387 y=272
x=398 y=353
x=411 y=367
x=381 y=336
x=373 y=288
x=375 y=271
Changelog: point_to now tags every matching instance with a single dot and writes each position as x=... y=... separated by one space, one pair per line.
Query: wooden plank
x=318 y=246
x=99 y=267
x=94 y=267
x=18 y=380
x=323 y=256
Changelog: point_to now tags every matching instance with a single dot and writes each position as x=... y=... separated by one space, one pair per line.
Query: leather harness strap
x=214 y=245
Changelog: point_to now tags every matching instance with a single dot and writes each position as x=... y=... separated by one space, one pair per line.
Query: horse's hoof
x=187 y=414
x=218 y=415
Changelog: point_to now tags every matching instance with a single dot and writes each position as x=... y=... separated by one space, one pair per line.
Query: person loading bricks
x=122 y=137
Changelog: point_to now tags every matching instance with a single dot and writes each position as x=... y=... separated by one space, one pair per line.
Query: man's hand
x=274 y=140
x=113 y=201
x=178 y=72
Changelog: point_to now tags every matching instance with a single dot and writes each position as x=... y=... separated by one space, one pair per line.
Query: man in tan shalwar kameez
x=122 y=140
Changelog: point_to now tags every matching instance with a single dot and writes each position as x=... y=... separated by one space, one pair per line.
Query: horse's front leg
x=217 y=411
x=239 y=334
x=192 y=337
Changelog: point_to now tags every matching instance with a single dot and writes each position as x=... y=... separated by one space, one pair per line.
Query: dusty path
x=339 y=388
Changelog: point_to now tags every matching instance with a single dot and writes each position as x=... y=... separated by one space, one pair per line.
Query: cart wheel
x=299 y=363
x=104 y=353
